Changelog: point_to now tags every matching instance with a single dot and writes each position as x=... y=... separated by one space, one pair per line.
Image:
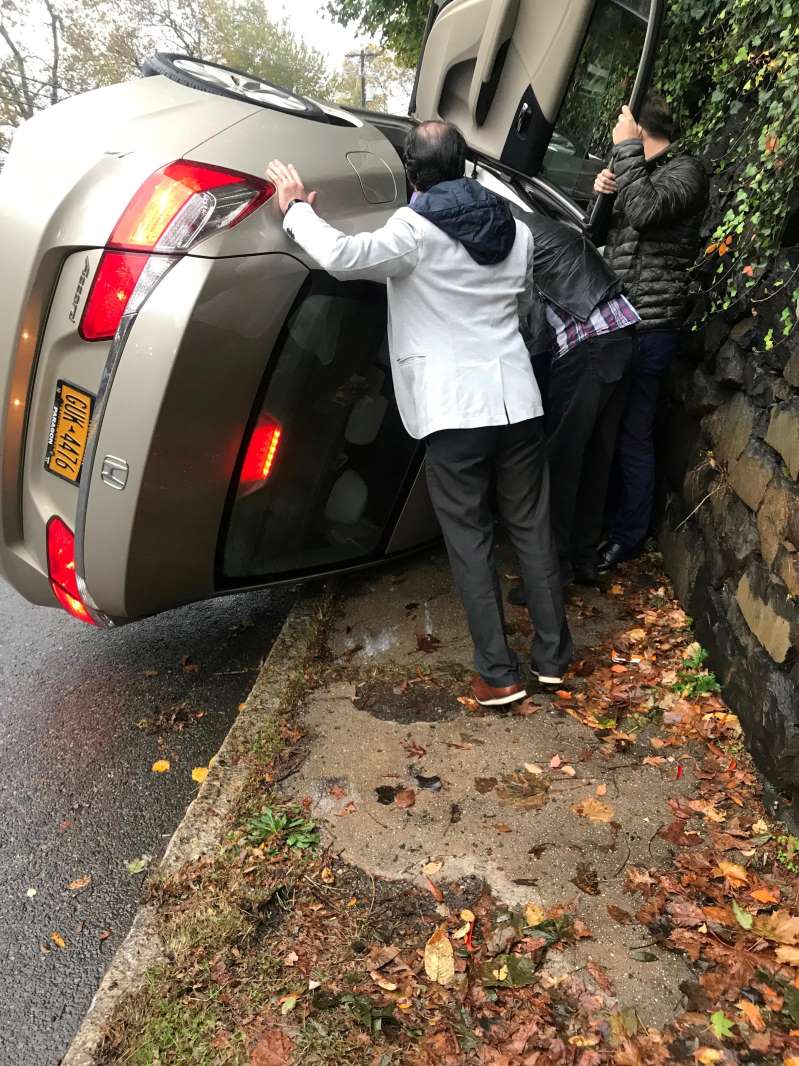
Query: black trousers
x=587 y=393
x=635 y=448
x=467 y=469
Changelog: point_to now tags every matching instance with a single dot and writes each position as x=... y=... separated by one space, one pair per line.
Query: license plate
x=69 y=431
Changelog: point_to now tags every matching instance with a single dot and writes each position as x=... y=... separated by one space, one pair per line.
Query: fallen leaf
x=533 y=768
x=601 y=790
x=593 y=810
x=788 y=955
x=721 y=1024
x=382 y=982
x=637 y=634
x=327 y=876
x=485 y=784
x=274 y=1048
x=337 y=792
x=405 y=798
x=347 y=809
x=583 y=1041
x=619 y=914
x=503 y=827
x=752 y=1014
x=734 y=874
x=31 y=893
x=706 y=1056
x=199 y=774
x=555 y=762
x=415 y=749
x=291 y=958
x=742 y=917
x=439 y=958
x=467 y=915
x=431 y=868
x=569 y=771
x=780 y=927
x=106 y=933
x=434 y=891
x=80 y=883
x=58 y=940
x=137 y=866
x=467 y=701
x=766 y=894
x=161 y=766
x=287 y=1004
x=533 y=914
x=509 y=971
x=188 y=664
x=759 y=827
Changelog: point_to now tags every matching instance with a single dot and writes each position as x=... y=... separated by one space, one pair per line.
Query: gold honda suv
x=189 y=406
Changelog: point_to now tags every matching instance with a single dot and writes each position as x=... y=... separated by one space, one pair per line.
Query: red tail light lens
x=172 y=210
x=261 y=453
x=156 y=205
x=61 y=568
x=111 y=290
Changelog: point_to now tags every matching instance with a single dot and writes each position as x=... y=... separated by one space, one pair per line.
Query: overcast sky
x=307 y=19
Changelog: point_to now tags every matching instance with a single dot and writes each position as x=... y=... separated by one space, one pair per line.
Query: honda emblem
x=115 y=472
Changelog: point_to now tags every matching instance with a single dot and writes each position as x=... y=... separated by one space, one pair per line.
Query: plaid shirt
x=613 y=314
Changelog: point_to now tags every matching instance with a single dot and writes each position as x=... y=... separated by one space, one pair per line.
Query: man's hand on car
x=605 y=181
x=288 y=183
x=626 y=128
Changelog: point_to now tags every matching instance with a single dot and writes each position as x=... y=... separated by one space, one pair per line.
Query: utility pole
x=363 y=56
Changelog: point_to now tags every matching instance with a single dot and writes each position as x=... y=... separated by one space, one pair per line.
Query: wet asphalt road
x=77 y=793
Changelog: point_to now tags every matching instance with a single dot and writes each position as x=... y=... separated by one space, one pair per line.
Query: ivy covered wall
x=730 y=442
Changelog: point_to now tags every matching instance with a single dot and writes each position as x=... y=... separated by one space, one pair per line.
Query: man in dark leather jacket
x=584 y=321
x=661 y=196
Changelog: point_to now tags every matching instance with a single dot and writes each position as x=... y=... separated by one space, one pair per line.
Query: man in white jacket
x=459 y=270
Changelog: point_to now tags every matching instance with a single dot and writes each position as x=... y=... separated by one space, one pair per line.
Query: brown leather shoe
x=488 y=696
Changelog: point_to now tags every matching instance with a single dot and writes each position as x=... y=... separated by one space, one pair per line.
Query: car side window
x=331 y=456
x=602 y=81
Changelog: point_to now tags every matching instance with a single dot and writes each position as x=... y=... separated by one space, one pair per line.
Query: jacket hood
x=478 y=218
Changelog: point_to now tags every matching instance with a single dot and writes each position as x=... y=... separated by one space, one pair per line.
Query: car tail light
x=261 y=453
x=61 y=569
x=177 y=206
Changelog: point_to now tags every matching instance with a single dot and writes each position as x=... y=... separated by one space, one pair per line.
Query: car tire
x=227 y=81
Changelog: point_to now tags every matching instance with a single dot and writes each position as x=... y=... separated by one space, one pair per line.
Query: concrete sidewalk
x=494 y=793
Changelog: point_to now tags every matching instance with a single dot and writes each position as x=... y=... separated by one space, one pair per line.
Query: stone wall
x=729 y=526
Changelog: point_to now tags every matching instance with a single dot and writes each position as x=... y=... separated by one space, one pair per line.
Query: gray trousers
x=470 y=474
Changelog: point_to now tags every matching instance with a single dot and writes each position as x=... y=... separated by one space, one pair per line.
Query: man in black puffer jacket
x=661 y=196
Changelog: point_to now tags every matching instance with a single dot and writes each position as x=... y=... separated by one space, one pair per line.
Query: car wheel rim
x=260 y=92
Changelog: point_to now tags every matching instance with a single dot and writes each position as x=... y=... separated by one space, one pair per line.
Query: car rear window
x=336 y=453
x=602 y=81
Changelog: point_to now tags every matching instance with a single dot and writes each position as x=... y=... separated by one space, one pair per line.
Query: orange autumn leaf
x=766 y=894
x=748 y=270
x=791 y=1060
x=593 y=810
x=788 y=955
x=771 y=142
x=752 y=1014
x=734 y=874
x=711 y=248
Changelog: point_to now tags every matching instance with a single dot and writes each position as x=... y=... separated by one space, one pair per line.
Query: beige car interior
x=482 y=56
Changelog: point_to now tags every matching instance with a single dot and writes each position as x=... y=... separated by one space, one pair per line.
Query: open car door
x=536 y=85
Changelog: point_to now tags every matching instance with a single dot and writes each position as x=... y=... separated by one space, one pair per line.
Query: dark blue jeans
x=635 y=445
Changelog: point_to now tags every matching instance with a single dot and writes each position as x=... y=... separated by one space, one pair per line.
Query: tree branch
x=24 y=99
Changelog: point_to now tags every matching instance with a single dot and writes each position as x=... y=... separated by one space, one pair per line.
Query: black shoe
x=517 y=596
x=612 y=556
x=586 y=574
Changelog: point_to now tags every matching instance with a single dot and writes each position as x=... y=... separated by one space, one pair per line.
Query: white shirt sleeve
x=389 y=252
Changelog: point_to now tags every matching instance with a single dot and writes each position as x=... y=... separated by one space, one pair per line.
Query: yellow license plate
x=69 y=431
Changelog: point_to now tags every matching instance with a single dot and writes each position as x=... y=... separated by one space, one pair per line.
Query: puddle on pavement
x=407 y=703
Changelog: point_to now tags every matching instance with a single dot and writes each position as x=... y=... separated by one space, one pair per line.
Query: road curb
x=280 y=685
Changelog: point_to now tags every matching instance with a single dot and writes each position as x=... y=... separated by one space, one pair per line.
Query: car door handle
x=523 y=119
x=499 y=27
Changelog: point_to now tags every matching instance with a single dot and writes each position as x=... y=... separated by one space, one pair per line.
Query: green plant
x=731 y=71
x=284 y=827
x=693 y=680
x=788 y=847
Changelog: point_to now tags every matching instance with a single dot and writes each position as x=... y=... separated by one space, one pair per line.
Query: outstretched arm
x=390 y=251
